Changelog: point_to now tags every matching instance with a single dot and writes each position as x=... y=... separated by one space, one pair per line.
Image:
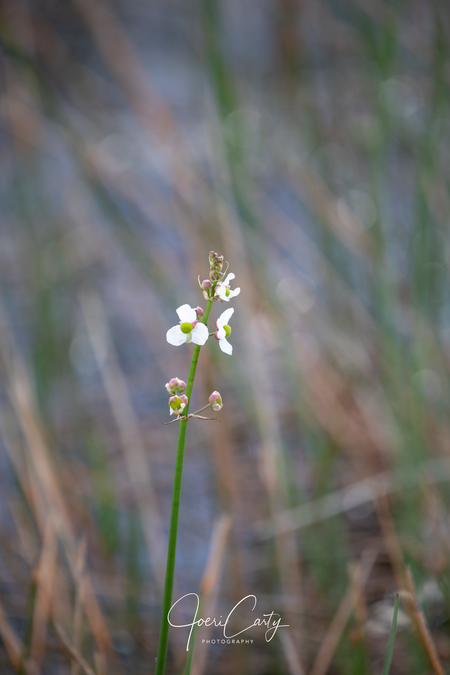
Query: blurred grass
x=309 y=143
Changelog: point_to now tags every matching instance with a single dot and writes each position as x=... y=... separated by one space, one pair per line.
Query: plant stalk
x=173 y=533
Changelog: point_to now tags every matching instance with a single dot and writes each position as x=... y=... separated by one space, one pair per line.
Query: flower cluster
x=179 y=401
x=192 y=328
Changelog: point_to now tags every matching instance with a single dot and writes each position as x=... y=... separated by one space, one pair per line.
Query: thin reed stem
x=172 y=548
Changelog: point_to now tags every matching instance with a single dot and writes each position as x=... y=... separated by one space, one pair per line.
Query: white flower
x=224 y=331
x=188 y=330
x=223 y=290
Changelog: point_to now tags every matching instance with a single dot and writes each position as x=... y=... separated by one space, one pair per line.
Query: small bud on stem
x=175 y=386
x=216 y=401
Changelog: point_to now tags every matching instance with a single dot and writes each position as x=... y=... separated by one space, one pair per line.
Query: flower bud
x=176 y=386
x=215 y=260
x=205 y=284
x=216 y=401
x=177 y=404
x=200 y=312
x=216 y=264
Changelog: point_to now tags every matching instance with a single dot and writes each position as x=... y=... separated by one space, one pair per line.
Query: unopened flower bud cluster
x=217 y=287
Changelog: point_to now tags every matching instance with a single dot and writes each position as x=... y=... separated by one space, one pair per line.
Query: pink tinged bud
x=216 y=401
x=205 y=284
x=177 y=404
x=216 y=334
x=175 y=386
x=200 y=312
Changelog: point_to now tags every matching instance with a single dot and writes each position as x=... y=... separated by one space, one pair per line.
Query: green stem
x=202 y=409
x=172 y=548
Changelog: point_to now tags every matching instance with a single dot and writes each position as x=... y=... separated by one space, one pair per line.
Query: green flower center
x=175 y=404
x=227 y=292
x=186 y=327
x=227 y=330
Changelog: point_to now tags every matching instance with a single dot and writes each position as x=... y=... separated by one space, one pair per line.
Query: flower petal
x=220 y=292
x=175 y=336
x=220 y=332
x=200 y=334
x=235 y=292
x=186 y=314
x=228 y=278
x=225 y=346
x=225 y=317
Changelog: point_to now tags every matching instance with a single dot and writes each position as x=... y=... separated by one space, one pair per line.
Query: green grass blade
x=390 y=649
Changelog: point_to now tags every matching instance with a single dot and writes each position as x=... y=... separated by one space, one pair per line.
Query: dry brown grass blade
x=334 y=213
x=391 y=540
x=119 y=55
x=340 y=413
x=290 y=653
x=209 y=585
x=50 y=502
x=405 y=582
x=340 y=619
x=214 y=564
x=22 y=526
x=336 y=407
x=359 y=600
x=100 y=664
x=79 y=601
x=133 y=445
x=74 y=653
x=284 y=229
x=270 y=443
x=361 y=492
x=12 y=642
x=419 y=620
x=43 y=604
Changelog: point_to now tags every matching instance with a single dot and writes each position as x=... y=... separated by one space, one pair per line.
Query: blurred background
x=308 y=141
